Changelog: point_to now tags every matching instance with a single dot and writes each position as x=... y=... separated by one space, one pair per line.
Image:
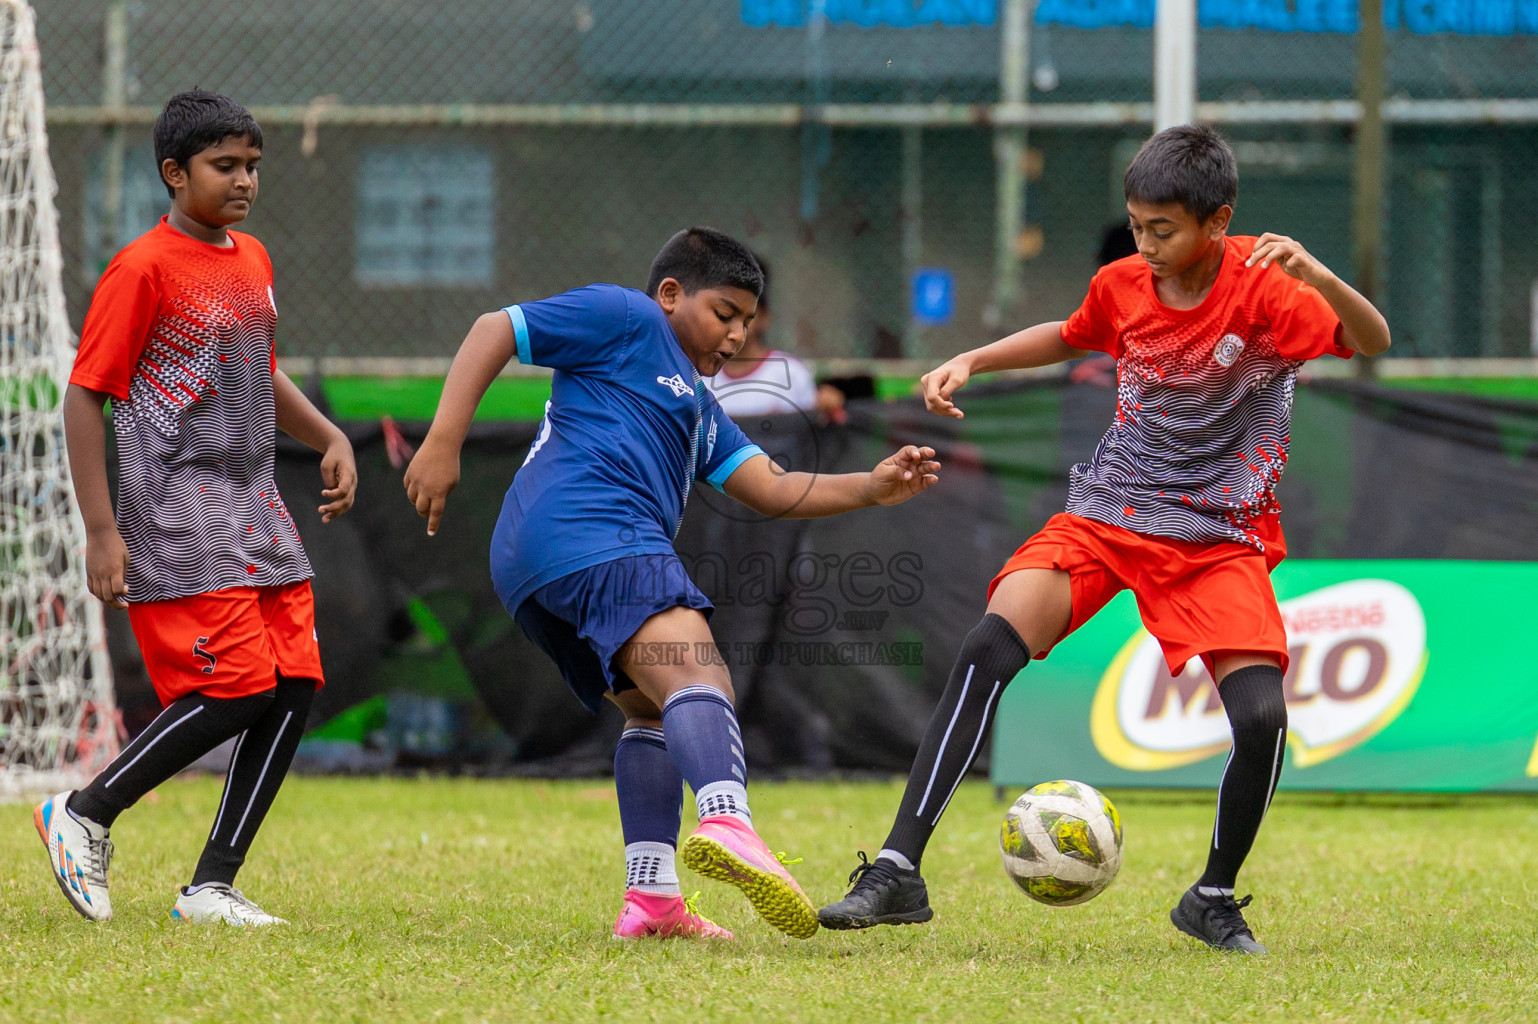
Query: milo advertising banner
x=1404 y=675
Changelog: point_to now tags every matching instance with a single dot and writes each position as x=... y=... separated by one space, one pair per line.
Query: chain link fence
x=425 y=163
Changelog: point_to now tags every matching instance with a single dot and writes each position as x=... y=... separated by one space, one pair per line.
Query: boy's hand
x=106 y=567
x=1290 y=255
x=942 y=382
x=901 y=476
x=430 y=478
x=340 y=471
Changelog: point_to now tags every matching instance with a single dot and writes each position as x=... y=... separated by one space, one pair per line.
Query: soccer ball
x=1061 y=843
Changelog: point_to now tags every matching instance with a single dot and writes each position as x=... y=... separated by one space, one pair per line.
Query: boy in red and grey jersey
x=202 y=552
x=1204 y=397
x=1178 y=504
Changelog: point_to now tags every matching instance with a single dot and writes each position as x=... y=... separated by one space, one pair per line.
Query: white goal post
x=58 y=724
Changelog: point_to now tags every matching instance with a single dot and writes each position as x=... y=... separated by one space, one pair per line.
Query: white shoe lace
x=97 y=855
x=98 y=858
x=239 y=905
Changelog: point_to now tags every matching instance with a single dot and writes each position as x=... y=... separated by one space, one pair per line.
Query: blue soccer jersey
x=628 y=428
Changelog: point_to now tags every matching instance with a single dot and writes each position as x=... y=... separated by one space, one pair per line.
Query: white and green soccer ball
x=1061 y=843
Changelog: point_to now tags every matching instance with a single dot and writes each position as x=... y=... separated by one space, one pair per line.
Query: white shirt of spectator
x=777 y=383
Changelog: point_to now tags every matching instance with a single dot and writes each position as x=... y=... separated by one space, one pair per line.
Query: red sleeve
x=1091 y=326
x=1304 y=325
x=117 y=327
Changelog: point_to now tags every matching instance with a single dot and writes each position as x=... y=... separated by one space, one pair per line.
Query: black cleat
x=1217 y=921
x=882 y=893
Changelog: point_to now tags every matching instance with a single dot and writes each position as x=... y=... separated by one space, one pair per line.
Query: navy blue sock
x=706 y=744
x=651 y=803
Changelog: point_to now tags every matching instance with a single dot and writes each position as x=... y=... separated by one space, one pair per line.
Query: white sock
x=1213 y=890
x=718 y=798
x=649 y=867
x=896 y=858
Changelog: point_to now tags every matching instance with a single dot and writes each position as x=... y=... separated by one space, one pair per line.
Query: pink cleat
x=648 y=915
x=725 y=849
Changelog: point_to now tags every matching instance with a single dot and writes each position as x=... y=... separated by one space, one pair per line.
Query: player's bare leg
x=1250 y=684
x=1038 y=603
x=1030 y=610
x=651 y=793
x=674 y=662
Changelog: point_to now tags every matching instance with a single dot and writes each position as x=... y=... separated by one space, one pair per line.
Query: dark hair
x=1189 y=164
x=705 y=258
x=195 y=120
x=763 y=293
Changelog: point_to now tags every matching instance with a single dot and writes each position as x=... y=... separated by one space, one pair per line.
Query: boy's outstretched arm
x=1363 y=328
x=434 y=472
x=299 y=419
x=85 y=436
x=1042 y=345
x=771 y=491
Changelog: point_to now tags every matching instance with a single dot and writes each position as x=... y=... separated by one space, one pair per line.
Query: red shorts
x=228 y=643
x=1196 y=599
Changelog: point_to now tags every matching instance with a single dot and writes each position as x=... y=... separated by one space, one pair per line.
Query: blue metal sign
x=934 y=295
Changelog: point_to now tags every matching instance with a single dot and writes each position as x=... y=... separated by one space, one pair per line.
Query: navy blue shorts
x=582 y=620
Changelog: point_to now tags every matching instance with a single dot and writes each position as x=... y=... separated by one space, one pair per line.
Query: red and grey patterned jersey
x=1204 y=397
x=180 y=334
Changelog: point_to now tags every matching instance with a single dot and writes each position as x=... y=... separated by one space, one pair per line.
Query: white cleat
x=78 y=852
x=214 y=902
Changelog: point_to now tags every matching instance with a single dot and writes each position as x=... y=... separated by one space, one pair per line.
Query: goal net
x=58 y=726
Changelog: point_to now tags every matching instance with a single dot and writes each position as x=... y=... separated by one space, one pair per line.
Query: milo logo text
x=1357 y=652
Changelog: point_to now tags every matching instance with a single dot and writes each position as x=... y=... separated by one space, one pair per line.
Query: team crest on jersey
x=200 y=651
x=678 y=384
x=710 y=440
x=1228 y=349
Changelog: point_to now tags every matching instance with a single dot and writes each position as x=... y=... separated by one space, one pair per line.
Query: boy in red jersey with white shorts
x=1178 y=505
x=202 y=552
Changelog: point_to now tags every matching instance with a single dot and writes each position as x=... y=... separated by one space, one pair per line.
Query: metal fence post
x=913 y=232
x=1009 y=156
x=1371 y=150
x=114 y=89
x=1174 y=84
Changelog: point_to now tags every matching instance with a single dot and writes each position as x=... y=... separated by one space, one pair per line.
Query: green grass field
x=437 y=899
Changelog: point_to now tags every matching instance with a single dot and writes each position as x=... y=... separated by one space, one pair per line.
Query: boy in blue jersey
x=583 y=556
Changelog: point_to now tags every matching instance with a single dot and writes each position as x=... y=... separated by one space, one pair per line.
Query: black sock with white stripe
x=1258 y=714
x=257 y=768
x=179 y=735
x=991 y=655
